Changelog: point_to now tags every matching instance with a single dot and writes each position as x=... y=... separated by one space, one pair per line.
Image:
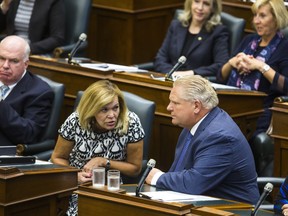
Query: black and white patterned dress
x=89 y=144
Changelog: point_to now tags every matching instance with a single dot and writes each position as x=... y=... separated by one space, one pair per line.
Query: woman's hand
x=95 y=162
x=240 y=62
x=5 y=5
x=84 y=177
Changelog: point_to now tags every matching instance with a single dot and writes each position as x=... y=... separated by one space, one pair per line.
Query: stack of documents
x=172 y=196
x=109 y=67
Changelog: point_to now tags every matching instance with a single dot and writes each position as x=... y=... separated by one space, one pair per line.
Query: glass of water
x=98 y=177
x=113 y=180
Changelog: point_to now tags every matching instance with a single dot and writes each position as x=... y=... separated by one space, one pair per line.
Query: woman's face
x=201 y=10
x=107 y=117
x=264 y=22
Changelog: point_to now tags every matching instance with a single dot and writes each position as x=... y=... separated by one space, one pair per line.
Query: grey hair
x=27 y=51
x=26 y=46
x=198 y=88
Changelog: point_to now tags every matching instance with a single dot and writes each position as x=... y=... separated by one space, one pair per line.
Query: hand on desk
x=84 y=177
x=151 y=175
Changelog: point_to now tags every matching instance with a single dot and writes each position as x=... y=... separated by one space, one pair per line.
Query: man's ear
x=26 y=64
x=198 y=106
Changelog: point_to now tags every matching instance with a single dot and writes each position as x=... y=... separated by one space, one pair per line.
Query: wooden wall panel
x=130 y=31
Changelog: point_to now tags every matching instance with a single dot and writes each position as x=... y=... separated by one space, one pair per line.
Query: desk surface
x=219 y=203
x=93 y=201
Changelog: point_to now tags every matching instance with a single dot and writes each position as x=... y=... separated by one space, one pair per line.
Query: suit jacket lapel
x=181 y=36
x=21 y=87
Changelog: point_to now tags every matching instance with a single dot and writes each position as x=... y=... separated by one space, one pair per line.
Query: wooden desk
x=93 y=201
x=243 y=106
x=36 y=190
x=129 y=31
x=280 y=136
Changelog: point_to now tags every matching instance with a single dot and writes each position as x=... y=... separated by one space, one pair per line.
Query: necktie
x=3 y=90
x=184 y=150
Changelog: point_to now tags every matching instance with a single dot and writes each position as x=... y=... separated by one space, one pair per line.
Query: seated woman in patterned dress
x=102 y=132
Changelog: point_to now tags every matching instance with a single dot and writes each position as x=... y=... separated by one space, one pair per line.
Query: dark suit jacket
x=218 y=162
x=206 y=54
x=47 y=24
x=25 y=111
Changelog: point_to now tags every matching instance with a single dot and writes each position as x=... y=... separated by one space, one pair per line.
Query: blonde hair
x=215 y=17
x=278 y=10
x=198 y=88
x=94 y=98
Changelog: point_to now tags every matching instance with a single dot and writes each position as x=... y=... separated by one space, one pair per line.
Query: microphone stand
x=167 y=78
x=82 y=38
x=71 y=61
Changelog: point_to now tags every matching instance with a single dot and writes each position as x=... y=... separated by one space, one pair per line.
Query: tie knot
x=3 y=90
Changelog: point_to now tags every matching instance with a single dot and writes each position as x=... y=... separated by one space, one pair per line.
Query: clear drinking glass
x=113 y=178
x=98 y=177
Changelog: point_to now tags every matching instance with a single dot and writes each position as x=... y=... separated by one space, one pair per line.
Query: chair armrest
x=276 y=181
x=30 y=149
x=65 y=50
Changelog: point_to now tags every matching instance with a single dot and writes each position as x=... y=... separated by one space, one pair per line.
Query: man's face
x=182 y=111
x=12 y=64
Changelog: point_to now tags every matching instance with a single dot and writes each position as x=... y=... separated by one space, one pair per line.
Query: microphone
x=180 y=62
x=151 y=164
x=267 y=189
x=81 y=39
x=281 y=99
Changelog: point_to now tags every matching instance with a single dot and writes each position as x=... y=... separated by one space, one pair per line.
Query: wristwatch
x=107 y=167
x=265 y=68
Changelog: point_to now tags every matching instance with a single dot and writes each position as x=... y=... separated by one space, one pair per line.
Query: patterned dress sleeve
x=69 y=127
x=135 y=130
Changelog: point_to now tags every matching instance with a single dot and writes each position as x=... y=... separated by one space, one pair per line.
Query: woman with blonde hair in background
x=198 y=35
x=261 y=60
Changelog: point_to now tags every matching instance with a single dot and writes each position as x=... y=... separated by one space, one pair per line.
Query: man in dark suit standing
x=26 y=104
x=212 y=155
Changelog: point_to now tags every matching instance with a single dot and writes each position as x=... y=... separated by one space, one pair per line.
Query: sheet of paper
x=172 y=196
x=109 y=67
x=221 y=86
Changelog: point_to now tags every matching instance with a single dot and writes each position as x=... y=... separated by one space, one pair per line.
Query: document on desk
x=221 y=86
x=172 y=196
x=109 y=67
